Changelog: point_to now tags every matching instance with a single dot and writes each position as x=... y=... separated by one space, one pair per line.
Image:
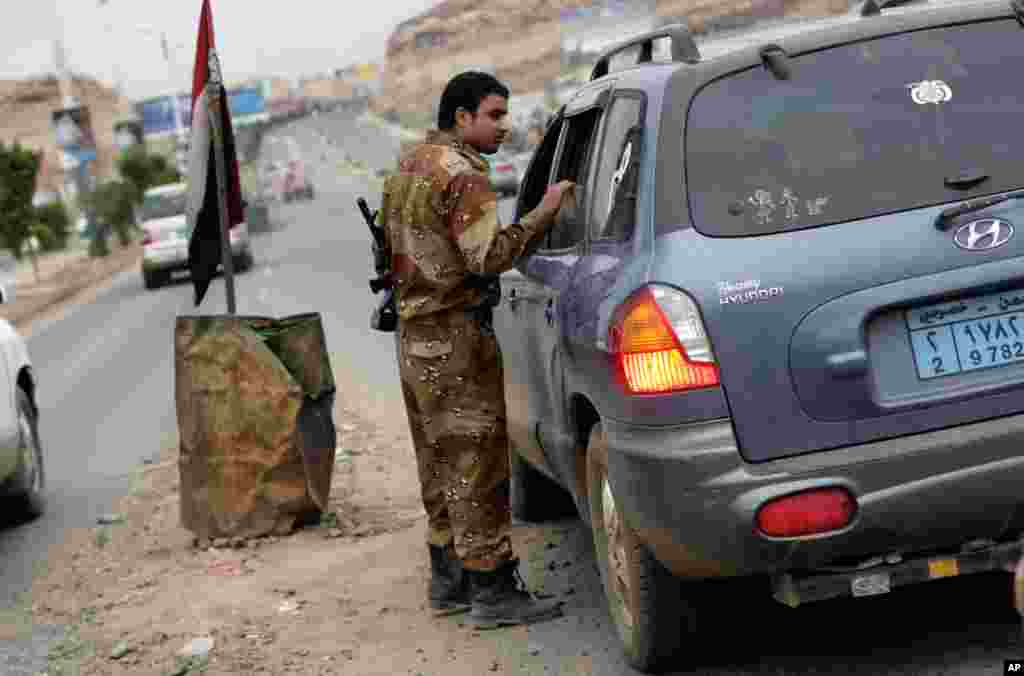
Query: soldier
x=440 y=216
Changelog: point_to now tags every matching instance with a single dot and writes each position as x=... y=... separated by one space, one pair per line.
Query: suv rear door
x=514 y=317
x=814 y=201
x=551 y=271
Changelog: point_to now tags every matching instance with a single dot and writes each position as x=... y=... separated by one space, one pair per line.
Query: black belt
x=484 y=314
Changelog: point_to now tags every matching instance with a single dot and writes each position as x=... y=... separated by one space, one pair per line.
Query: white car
x=22 y=478
x=166 y=233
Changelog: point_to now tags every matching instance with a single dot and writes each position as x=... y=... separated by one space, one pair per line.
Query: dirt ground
x=65 y=279
x=343 y=597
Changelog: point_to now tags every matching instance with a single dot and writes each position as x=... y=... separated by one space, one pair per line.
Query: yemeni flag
x=204 y=247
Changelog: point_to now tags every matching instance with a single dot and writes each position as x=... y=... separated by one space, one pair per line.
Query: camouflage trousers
x=451 y=371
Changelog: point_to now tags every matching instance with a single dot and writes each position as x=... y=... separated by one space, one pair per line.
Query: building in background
x=27 y=110
x=530 y=44
x=246 y=102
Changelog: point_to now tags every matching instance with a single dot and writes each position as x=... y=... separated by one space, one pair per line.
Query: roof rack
x=875 y=7
x=684 y=49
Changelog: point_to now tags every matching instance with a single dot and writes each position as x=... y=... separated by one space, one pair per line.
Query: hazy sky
x=254 y=37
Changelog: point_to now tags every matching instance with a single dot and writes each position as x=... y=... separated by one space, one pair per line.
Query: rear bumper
x=881 y=578
x=505 y=184
x=694 y=501
x=170 y=260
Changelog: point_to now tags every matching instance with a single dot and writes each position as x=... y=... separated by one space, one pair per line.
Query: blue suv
x=781 y=335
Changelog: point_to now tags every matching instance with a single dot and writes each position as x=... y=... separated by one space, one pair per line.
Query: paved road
x=106 y=394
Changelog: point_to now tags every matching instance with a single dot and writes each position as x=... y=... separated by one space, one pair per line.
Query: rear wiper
x=970 y=206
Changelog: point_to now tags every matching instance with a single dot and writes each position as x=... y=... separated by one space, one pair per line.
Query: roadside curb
x=405 y=133
x=24 y=310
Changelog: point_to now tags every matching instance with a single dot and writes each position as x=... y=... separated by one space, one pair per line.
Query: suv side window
x=614 y=181
x=573 y=160
x=535 y=180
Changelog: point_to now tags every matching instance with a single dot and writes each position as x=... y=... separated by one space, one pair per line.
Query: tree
x=142 y=170
x=18 y=169
x=56 y=226
x=112 y=205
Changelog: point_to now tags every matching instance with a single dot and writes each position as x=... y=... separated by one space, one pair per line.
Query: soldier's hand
x=554 y=195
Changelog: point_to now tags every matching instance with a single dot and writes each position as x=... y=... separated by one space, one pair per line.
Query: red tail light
x=808 y=513
x=505 y=167
x=659 y=344
x=148 y=238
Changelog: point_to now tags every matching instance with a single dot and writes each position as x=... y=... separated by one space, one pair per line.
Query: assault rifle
x=385 y=316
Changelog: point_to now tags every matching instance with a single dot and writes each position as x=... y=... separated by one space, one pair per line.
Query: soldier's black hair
x=466 y=90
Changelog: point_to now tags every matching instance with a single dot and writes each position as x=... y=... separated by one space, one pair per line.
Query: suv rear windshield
x=163 y=205
x=858 y=130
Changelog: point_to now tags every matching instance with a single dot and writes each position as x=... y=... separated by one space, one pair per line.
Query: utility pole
x=179 y=127
x=67 y=96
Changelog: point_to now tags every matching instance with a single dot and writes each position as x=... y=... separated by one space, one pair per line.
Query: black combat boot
x=449 y=591
x=500 y=598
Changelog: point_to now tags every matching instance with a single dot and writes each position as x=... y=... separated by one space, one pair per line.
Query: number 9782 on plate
x=969 y=345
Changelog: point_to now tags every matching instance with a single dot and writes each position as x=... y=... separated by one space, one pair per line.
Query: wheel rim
x=30 y=453
x=618 y=561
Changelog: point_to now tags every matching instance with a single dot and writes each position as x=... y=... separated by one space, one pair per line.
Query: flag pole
x=217 y=132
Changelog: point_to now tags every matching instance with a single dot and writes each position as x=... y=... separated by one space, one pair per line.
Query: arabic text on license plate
x=967 y=335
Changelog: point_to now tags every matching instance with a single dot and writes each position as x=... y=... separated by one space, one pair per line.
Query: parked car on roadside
x=162 y=217
x=522 y=161
x=781 y=336
x=22 y=475
x=504 y=174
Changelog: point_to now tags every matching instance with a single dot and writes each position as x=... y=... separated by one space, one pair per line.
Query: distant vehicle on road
x=288 y=181
x=22 y=479
x=166 y=233
x=8 y=276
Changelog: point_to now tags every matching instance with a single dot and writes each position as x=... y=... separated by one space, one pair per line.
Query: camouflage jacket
x=440 y=217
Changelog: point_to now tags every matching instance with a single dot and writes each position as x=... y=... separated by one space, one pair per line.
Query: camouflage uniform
x=441 y=218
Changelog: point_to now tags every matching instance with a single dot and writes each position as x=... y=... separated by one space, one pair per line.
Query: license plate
x=969 y=335
x=871 y=585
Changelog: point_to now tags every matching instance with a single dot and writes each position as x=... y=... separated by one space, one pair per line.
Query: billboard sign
x=128 y=133
x=72 y=128
x=587 y=31
x=247 y=104
x=157 y=114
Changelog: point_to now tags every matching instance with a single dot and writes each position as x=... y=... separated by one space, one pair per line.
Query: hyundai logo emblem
x=983 y=235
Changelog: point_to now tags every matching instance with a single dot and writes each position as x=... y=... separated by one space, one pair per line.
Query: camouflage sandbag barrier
x=254 y=399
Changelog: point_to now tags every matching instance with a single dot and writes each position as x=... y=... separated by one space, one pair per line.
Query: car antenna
x=875 y=7
x=776 y=60
x=1018 y=10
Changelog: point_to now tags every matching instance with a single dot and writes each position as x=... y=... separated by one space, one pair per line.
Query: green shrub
x=18 y=169
x=56 y=226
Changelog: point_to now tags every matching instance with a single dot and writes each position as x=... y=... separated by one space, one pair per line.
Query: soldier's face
x=486 y=129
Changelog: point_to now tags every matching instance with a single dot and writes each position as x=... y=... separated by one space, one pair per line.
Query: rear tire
x=652 y=610
x=535 y=497
x=150 y=280
x=29 y=480
x=243 y=262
